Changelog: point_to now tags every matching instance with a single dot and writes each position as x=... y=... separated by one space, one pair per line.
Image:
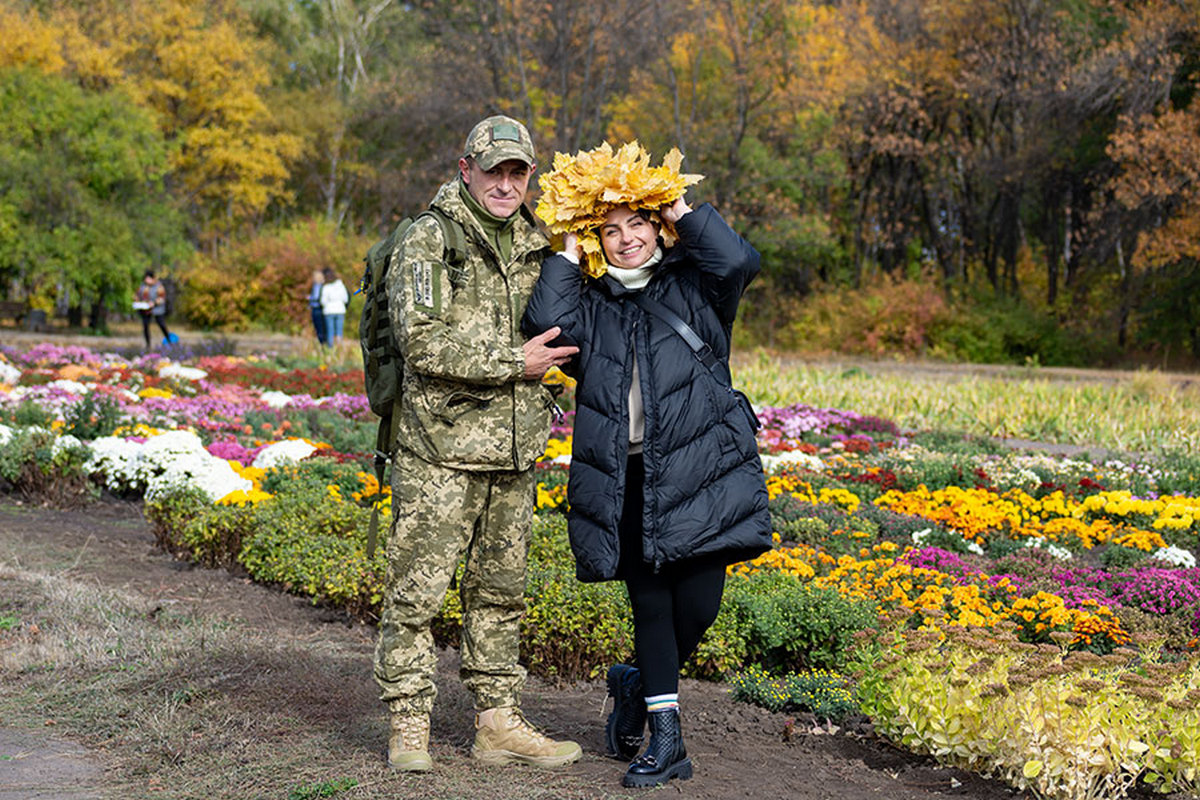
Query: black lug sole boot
x=665 y=756
x=623 y=734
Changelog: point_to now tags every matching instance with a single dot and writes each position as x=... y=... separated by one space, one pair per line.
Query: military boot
x=408 y=746
x=504 y=736
x=623 y=732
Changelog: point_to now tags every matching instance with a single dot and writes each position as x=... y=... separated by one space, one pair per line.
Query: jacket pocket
x=457 y=403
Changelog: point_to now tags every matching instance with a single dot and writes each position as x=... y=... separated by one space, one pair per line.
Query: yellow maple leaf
x=581 y=189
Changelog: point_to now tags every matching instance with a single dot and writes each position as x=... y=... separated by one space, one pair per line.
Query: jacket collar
x=526 y=236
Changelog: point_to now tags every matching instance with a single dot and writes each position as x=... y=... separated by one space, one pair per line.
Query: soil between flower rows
x=738 y=750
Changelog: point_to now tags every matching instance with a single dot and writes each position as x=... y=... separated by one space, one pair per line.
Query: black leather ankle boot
x=624 y=732
x=665 y=756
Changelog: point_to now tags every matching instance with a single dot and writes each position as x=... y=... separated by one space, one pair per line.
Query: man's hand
x=539 y=357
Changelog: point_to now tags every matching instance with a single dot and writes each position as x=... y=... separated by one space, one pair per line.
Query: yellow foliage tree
x=202 y=74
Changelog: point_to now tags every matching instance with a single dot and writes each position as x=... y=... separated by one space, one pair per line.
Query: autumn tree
x=83 y=208
x=194 y=65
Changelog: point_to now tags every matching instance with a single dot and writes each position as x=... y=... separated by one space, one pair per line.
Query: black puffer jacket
x=704 y=486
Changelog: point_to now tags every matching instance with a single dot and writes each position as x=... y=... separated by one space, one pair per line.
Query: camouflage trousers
x=440 y=514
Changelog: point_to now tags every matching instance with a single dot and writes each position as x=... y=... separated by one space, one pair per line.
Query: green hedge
x=308 y=543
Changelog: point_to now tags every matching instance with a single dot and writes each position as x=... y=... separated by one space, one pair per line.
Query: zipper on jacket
x=647 y=490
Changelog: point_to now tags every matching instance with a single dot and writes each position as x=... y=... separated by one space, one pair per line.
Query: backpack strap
x=454 y=237
x=454 y=243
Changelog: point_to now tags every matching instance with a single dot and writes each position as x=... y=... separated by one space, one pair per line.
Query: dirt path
x=739 y=751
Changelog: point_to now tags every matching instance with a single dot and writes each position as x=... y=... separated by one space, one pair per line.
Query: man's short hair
x=498 y=139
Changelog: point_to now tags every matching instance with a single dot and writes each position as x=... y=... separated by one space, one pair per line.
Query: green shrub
x=1181 y=473
x=93 y=416
x=169 y=512
x=892 y=526
x=252 y=283
x=36 y=464
x=313 y=476
x=333 y=428
x=832 y=529
x=724 y=647
x=571 y=629
x=31 y=414
x=1116 y=557
x=825 y=694
x=1000 y=330
x=214 y=538
x=791 y=625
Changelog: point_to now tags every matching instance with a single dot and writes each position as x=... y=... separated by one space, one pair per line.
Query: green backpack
x=383 y=363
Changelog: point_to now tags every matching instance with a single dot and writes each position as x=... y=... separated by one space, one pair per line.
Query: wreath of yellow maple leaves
x=581 y=189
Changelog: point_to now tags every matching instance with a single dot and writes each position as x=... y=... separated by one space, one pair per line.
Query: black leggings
x=162 y=324
x=672 y=608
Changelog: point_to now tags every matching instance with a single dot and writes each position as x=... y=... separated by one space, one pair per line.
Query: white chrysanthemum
x=919 y=537
x=1176 y=556
x=6 y=434
x=975 y=547
x=9 y=374
x=791 y=458
x=74 y=387
x=166 y=446
x=173 y=370
x=276 y=399
x=1058 y=551
x=117 y=460
x=64 y=444
x=288 y=451
x=211 y=475
x=564 y=460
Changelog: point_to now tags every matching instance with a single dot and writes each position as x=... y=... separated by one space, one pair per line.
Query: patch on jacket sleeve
x=425 y=288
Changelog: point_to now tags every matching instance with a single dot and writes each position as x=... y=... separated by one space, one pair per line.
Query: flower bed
x=981 y=569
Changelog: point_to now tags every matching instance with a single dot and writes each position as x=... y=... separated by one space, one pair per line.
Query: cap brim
x=505 y=152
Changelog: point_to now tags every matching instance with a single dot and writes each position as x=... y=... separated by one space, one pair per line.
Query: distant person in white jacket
x=334 y=298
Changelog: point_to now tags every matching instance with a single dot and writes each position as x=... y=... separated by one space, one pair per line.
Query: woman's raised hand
x=673 y=212
x=571 y=247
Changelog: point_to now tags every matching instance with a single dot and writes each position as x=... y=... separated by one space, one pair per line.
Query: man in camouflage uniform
x=472 y=420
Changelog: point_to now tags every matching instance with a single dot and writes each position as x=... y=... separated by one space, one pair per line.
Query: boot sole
x=681 y=770
x=416 y=764
x=504 y=757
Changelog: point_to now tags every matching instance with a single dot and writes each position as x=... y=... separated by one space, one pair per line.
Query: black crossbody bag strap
x=699 y=348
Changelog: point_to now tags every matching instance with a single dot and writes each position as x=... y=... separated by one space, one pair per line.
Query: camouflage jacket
x=464 y=402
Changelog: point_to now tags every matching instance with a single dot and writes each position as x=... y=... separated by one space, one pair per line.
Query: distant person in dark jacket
x=314 y=305
x=151 y=302
x=666 y=487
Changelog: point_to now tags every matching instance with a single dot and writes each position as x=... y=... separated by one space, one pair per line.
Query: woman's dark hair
x=148 y=274
x=330 y=275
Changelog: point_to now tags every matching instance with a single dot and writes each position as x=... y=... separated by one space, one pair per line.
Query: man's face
x=501 y=189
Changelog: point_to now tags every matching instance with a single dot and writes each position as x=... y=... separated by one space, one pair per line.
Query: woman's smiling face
x=628 y=238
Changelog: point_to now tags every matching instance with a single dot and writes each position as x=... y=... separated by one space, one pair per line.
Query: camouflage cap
x=497 y=139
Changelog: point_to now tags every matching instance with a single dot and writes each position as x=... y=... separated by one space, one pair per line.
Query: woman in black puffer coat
x=666 y=487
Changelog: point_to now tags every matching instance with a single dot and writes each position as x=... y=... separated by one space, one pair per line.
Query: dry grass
x=190 y=706
x=1133 y=412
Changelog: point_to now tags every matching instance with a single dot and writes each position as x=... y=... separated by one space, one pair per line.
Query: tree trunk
x=98 y=317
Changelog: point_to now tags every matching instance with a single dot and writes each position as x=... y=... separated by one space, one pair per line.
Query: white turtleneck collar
x=637 y=278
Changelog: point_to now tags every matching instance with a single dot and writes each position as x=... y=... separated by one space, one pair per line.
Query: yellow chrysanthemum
x=583 y=188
